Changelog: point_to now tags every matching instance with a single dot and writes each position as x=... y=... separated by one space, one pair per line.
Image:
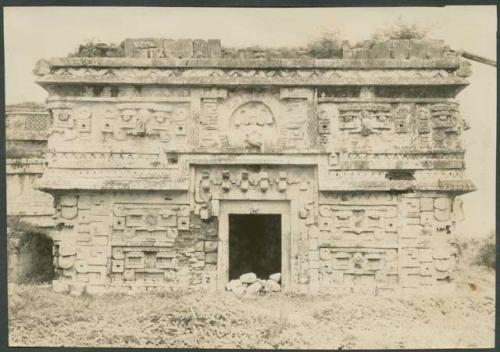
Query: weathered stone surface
x=233 y=284
x=214 y=48
x=400 y=49
x=239 y=290
x=273 y=286
x=150 y=154
x=211 y=258
x=254 y=288
x=248 y=278
x=275 y=277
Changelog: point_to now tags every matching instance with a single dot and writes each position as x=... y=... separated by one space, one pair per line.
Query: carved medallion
x=253 y=126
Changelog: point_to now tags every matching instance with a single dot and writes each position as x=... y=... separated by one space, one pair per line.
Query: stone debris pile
x=248 y=284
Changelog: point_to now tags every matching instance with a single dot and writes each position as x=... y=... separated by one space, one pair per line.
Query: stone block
x=99 y=240
x=129 y=275
x=183 y=48
x=69 y=213
x=233 y=284
x=68 y=200
x=314 y=264
x=84 y=202
x=239 y=290
x=82 y=277
x=248 y=278
x=435 y=48
x=66 y=262
x=272 y=286
x=81 y=266
x=82 y=237
x=183 y=223
x=325 y=254
x=275 y=277
x=198 y=264
x=254 y=288
x=117 y=266
x=199 y=255
x=117 y=253
x=313 y=244
x=97 y=260
x=400 y=49
x=199 y=246
x=337 y=276
x=417 y=49
x=442 y=209
x=211 y=258
x=200 y=48
x=214 y=48
x=211 y=246
x=324 y=239
x=313 y=255
x=426 y=204
x=427 y=217
x=380 y=50
x=313 y=280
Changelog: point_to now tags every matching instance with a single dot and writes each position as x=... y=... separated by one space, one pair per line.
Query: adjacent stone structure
x=359 y=160
x=27 y=130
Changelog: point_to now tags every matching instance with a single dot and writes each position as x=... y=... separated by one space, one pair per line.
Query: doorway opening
x=254 y=244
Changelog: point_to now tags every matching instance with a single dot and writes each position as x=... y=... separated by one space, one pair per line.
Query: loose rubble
x=248 y=284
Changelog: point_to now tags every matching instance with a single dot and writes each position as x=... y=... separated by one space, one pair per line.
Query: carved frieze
x=374 y=127
x=233 y=182
x=253 y=122
x=70 y=122
x=364 y=118
x=226 y=75
x=360 y=267
x=363 y=225
x=147 y=224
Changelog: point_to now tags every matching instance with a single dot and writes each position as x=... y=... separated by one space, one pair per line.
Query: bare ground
x=463 y=318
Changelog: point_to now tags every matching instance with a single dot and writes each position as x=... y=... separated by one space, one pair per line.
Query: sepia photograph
x=250 y=178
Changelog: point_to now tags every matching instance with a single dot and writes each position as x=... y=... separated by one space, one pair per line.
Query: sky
x=32 y=33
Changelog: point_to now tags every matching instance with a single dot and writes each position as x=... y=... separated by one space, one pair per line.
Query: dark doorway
x=254 y=245
x=34 y=262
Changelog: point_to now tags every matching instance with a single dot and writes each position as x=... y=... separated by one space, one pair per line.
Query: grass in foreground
x=41 y=317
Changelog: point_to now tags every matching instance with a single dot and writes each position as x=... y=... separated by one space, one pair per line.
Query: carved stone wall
x=27 y=128
x=382 y=240
x=131 y=240
x=361 y=156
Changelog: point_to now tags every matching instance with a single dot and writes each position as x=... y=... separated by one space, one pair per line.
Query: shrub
x=486 y=255
x=91 y=48
x=400 y=30
x=328 y=45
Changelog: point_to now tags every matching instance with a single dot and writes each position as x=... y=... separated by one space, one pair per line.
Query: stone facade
x=27 y=129
x=361 y=157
